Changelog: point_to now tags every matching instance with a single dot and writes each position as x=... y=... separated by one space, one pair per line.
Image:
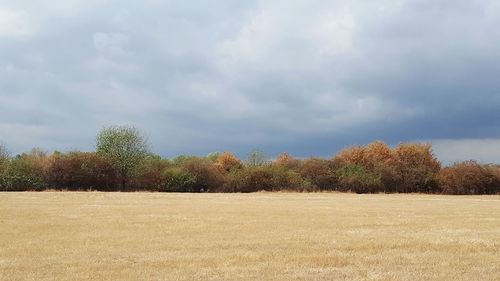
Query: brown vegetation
x=469 y=177
x=376 y=167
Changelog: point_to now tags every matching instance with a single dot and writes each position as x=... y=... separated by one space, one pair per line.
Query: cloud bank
x=306 y=76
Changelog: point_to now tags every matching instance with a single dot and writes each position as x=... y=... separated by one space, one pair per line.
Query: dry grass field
x=263 y=236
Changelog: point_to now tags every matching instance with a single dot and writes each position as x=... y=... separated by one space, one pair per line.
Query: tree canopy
x=125 y=147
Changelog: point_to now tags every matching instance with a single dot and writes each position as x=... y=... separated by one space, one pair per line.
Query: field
x=262 y=236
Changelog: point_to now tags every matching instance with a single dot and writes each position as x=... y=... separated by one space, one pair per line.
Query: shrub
x=256 y=158
x=416 y=168
x=377 y=157
x=318 y=172
x=469 y=177
x=80 y=170
x=353 y=155
x=177 y=180
x=228 y=162
x=4 y=159
x=208 y=177
x=179 y=160
x=250 y=179
x=26 y=172
x=356 y=178
x=151 y=174
x=265 y=178
x=285 y=179
x=286 y=160
x=213 y=156
x=407 y=168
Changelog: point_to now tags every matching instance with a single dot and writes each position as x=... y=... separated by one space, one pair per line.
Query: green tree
x=4 y=156
x=125 y=147
x=25 y=172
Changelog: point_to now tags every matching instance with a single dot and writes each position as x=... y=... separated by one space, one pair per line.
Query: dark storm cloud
x=309 y=77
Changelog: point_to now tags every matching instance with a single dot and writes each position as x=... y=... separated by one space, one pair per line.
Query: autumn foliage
x=80 y=171
x=469 y=177
x=409 y=167
x=227 y=162
x=373 y=168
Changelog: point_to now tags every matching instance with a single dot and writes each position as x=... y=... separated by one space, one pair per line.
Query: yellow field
x=264 y=236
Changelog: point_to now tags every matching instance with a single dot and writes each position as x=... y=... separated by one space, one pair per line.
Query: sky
x=309 y=77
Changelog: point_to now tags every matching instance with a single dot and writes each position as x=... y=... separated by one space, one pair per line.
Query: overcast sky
x=308 y=77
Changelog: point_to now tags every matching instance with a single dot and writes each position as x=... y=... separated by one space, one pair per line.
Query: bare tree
x=257 y=157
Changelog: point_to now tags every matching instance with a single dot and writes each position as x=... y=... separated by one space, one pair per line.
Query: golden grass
x=263 y=236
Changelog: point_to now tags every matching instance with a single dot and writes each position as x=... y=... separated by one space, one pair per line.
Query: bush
x=25 y=172
x=208 y=177
x=354 y=155
x=416 y=168
x=286 y=160
x=377 y=157
x=4 y=160
x=151 y=174
x=213 y=156
x=256 y=158
x=251 y=179
x=177 y=180
x=284 y=179
x=469 y=177
x=81 y=171
x=265 y=178
x=181 y=159
x=122 y=162
x=228 y=162
x=356 y=178
x=318 y=172
x=407 y=168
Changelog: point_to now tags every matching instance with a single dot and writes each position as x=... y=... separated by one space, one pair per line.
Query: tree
x=77 y=170
x=4 y=156
x=213 y=156
x=207 y=176
x=469 y=177
x=125 y=147
x=319 y=172
x=286 y=160
x=416 y=167
x=256 y=158
x=357 y=178
x=376 y=158
x=26 y=172
x=228 y=162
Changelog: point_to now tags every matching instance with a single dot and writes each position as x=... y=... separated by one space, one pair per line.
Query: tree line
x=123 y=162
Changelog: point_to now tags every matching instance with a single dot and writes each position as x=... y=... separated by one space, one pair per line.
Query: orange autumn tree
x=410 y=167
x=373 y=164
x=228 y=162
x=369 y=156
x=350 y=155
x=287 y=160
x=469 y=177
x=417 y=168
x=319 y=172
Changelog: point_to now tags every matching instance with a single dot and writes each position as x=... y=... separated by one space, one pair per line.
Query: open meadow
x=259 y=236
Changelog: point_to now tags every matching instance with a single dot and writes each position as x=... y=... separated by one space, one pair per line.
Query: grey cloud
x=309 y=77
